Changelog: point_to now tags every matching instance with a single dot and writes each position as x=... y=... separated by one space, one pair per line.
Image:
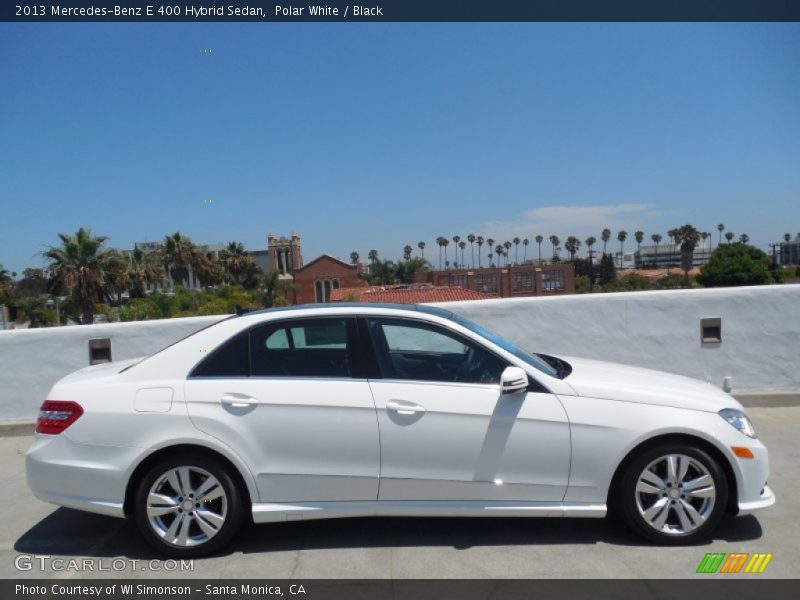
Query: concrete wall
x=759 y=350
x=32 y=360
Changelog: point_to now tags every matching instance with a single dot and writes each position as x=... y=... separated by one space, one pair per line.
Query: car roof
x=335 y=306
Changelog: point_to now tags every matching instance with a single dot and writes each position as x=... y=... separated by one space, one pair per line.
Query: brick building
x=509 y=282
x=314 y=282
x=415 y=293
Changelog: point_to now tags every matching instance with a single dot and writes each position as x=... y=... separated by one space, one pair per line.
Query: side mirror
x=513 y=379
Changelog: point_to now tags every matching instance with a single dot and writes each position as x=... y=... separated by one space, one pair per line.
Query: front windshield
x=529 y=358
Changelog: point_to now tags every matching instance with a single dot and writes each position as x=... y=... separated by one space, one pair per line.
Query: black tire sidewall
x=233 y=521
x=626 y=494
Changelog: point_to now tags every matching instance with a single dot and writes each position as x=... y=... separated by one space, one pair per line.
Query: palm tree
x=456 y=239
x=462 y=244
x=639 y=237
x=145 y=269
x=787 y=237
x=180 y=256
x=372 y=255
x=555 y=241
x=656 y=237
x=744 y=238
x=525 y=243
x=590 y=241
x=539 y=239
x=421 y=246
x=672 y=240
x=687 y=236
x=76 y=269
x=622 y=236
x=238 y=266
x=720 y=228
x=704 y=236
x=507 y=246
x=440 y=243
x=354 y=257
x=605 y=236
x=516 y=241
x=480 y=246
x=729 y=236
x=407 y=250
x=572 y=244
x=499 y=251
x=471 y=239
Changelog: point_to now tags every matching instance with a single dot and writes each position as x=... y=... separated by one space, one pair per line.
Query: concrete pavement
x=405 y=548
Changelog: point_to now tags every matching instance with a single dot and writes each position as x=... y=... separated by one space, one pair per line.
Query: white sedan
x=351 y=410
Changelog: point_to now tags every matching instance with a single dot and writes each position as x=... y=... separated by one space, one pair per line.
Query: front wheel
x=188 y=506
x=673 y=494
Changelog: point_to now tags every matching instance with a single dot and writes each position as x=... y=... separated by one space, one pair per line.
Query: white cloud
x=568 y=220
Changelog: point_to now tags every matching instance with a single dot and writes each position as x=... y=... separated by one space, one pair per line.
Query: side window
x=424 y=352
x=231 y=359
x=302 y=348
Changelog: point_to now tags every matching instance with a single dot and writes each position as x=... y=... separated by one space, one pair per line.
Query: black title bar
x=332 y=11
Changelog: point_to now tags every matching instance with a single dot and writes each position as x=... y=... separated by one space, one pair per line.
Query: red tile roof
x=406 y=294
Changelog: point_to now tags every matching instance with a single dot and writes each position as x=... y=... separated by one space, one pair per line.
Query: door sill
x=276 y=512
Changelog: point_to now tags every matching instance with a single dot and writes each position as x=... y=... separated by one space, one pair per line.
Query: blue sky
x=374 y=136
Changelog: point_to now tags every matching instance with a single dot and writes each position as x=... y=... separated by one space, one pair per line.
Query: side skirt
x=271 y=513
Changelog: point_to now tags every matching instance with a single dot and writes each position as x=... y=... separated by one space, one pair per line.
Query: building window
x=456 y=280
x=322 y=289
x=522 y=281
x=553 y=281
x=486 y=283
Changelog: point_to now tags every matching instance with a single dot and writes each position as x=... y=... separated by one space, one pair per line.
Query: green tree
x=238 y=266
x=471 y=239
x=656 y=237
x=720 y=228
x=76 y=270
x=407 y=252
x=572 y=244
x=607 y=271
x=735 y=264
x=539 y=239
x=555 y=242
x=383 y=273
x=354 y=257
x=688 y=237
x=421 y=246
x=145 y=269
x=480 y=242
x=605 y=236
x=179 y=255
x=622 y=236
x=406 y=271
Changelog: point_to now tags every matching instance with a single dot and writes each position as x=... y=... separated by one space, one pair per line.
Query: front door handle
x=401 y=408
x=237 y=400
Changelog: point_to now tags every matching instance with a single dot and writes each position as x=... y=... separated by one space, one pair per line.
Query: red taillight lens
x=56 y=415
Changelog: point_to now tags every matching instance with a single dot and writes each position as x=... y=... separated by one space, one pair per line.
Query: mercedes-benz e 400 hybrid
x=353 y=410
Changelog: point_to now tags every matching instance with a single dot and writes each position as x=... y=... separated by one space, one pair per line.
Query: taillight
x=56 y=415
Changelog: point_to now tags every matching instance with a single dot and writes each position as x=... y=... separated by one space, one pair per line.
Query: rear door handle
x=237 y=400
x=402 y=408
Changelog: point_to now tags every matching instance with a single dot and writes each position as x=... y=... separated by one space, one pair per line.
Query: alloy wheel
x=675 y=494
x=187 y=506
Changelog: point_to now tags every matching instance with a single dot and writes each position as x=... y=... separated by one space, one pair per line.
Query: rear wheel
x=188 y=506
x=673 y=494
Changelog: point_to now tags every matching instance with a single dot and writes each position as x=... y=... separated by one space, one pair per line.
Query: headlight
x=738 y=420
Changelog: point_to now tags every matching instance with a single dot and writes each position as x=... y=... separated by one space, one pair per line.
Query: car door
x=286 y=396
x=446 y=431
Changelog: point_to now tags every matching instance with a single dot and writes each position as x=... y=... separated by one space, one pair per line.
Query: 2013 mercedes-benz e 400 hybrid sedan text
x=353 y=410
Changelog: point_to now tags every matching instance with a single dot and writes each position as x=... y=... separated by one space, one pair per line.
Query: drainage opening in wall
x=99 y=351
x=711 y=330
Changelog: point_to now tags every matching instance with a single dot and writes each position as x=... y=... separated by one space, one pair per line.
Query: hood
x=99 y=371
x=610 y=381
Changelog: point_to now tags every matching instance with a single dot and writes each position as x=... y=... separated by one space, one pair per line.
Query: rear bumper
x=69 y=474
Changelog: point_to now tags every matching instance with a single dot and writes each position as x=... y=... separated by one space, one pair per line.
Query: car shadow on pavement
x=67 y=532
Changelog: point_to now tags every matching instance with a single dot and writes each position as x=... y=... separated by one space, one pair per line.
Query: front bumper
x=80 y=476
x=765 y=500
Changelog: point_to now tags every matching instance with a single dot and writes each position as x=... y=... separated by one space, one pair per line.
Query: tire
x=177 y=521
x=672 y=494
